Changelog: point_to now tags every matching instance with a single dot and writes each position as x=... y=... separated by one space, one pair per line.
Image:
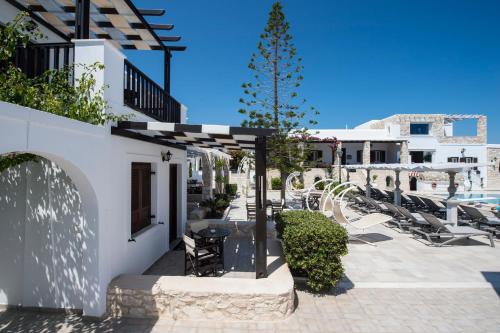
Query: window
x=452 y=159
x=421 y=156
x=419 y=129
x=315 y=157
x=377 y=156
x=141 y=196
x=359 y=156
x=468 y=159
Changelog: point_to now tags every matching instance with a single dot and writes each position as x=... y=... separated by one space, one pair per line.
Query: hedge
x=275 y=183
x=313 y=246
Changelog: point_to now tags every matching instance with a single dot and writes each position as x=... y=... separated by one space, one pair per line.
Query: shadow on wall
x=41 y=237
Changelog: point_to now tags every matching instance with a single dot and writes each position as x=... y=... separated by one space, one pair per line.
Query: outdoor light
x=166 y=156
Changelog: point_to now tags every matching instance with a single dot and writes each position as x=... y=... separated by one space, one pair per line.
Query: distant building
x=409 y=138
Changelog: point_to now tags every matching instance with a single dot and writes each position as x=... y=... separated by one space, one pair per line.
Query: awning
x=219 y=137
x=116 y=20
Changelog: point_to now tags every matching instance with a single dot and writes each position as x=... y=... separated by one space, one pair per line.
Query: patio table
x=216 y=233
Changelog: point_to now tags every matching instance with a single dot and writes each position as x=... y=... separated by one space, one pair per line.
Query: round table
x=217 y=233
x=220 y=234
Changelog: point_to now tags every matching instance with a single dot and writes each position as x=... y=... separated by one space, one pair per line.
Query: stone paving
x=402 y=285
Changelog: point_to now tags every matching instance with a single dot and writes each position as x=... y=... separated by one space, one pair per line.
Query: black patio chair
x=203 y=259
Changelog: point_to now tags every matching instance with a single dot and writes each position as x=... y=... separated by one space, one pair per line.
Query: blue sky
x=363 y=59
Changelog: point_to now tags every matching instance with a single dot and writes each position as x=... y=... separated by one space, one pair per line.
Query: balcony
x=139 y=92
x=144 y=95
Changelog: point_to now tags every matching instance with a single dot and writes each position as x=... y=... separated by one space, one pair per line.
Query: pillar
x=397 y=190
x=366 y=152
x=206 y=177
x=82 y=19
x=368 y=186
x=451 y=205
x=260 y=208
x=166 y=71
x=452 y=189
x=404 y=153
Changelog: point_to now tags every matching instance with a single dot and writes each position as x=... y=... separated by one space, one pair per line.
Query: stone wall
x=437 y=128
x=206 y=298
x=196 y=305
x=493 y=173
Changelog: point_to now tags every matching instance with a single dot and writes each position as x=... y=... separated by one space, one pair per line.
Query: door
x=343 y=160
x=173 y=202
x=413 y=183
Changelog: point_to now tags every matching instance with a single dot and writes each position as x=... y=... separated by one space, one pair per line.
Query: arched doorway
x=389 y=182
x=413 y=183
x=46 y=234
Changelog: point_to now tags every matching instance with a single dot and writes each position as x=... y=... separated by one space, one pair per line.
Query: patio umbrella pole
x=260 y=203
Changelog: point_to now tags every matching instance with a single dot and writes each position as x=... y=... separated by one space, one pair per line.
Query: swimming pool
x=493 y=198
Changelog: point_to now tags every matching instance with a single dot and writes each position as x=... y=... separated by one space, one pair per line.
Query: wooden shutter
x=140 y=196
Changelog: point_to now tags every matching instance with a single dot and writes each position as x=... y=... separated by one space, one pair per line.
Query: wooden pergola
x=219 y=137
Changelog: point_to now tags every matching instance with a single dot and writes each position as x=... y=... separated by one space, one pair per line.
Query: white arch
x=327 y=182
x=332 y=191
x=90 y=282
x=290 y=189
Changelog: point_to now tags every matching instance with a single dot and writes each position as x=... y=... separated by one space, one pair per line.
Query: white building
x=99 y=201
x=412 y=138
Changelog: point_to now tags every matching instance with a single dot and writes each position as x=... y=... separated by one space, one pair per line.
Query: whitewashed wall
x=99 y=166
x=42 y=217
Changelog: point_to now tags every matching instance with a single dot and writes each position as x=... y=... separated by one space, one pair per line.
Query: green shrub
x=313 y=246
x=276 y=183
x=231 y=189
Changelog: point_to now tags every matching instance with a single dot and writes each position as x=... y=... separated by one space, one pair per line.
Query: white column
x=90 y=51
x=368 y=186
x=397 y=190
x=451 y=205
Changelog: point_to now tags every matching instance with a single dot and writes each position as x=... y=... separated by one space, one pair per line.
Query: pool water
x=493 y=198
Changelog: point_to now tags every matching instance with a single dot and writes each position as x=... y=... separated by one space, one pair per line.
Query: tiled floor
x=357 y=310
x=401 y=285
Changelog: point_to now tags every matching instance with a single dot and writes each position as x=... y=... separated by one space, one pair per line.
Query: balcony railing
x=144 y=95
x=35 y=59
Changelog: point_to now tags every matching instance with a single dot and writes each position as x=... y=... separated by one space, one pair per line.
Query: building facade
x=409 y=138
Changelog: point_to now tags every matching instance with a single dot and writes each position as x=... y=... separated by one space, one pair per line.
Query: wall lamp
x=166 y=157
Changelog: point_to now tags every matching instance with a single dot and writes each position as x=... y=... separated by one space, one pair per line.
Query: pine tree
x=271 y=99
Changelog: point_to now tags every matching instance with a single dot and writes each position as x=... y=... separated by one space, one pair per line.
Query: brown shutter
x=140 y=196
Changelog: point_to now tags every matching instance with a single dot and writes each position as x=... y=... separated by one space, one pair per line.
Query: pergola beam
x=161 y=26
x=176 y=48
x=151 y=12
x=170 y=38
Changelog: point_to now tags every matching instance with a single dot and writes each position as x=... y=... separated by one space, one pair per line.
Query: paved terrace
x=402 y=285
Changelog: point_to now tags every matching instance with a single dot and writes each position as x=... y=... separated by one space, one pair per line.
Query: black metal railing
x=144 y=95
x=35 y=59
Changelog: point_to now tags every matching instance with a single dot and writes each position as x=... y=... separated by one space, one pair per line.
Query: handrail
x=146 y=96
x=34 y=59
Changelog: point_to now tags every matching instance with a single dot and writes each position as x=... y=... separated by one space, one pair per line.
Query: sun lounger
x=362 y=223
x=399 y=219
x=441 y=230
